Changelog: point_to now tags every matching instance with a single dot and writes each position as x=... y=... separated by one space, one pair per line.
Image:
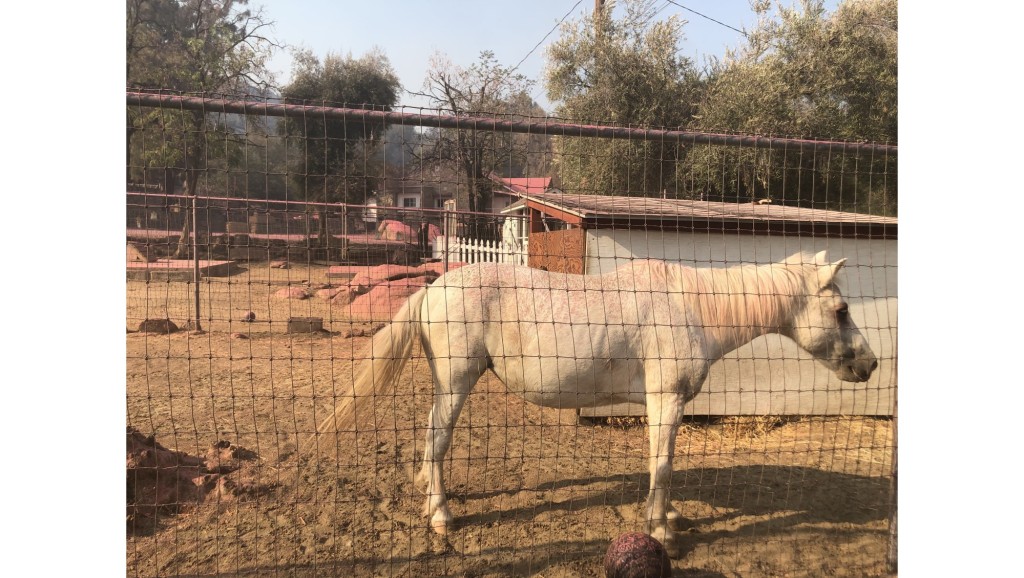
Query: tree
x=333 y=160
x=486 y=87
x=624 y=71
x=810 y=74
x=323 y=150
x=196 y=46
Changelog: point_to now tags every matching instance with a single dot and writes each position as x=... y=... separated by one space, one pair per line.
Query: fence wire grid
x=380 y=343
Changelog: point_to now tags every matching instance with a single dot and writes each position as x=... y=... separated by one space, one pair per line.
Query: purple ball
x=636 y=555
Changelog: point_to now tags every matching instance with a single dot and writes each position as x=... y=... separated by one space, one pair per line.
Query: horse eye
x=843 y=311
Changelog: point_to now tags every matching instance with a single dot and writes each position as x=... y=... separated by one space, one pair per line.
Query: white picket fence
x=464 y=250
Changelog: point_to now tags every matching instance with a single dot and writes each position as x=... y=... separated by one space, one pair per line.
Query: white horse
x=646 y=333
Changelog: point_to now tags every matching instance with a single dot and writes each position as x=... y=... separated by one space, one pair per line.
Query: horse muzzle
x=857 y=369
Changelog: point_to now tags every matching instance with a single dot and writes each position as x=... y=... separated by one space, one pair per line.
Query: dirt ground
x=533 y=491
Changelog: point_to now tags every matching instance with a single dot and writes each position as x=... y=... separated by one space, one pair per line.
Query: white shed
x=771 y=375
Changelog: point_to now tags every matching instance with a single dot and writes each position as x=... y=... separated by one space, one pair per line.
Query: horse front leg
x=664 y=414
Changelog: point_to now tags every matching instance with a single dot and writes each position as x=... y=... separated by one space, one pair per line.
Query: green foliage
x=808 y=74
x=625 y=71
x=333 y=160
x=152 y=27
x=194 y=46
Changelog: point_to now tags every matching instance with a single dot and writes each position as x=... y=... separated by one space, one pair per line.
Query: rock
x=328 y=293
x=306 y=325
x=346 y=296
x=162 y=326
x=381 y=273
x=292 y=293
x=384 y=300
x=366 y=332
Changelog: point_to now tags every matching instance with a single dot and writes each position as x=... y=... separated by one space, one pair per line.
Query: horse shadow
x=750 y=490
x=771 y=500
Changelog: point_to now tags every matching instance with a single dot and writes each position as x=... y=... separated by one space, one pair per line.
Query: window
x=409 y=202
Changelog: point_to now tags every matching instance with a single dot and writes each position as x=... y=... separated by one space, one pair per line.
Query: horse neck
x=739 y=304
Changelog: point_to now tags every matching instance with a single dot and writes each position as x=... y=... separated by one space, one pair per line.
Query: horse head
x=822 y=326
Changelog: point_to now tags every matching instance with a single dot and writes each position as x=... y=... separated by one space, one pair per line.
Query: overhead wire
x=706 y=17
x=555 y=27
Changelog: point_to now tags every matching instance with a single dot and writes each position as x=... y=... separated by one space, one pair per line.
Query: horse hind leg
x=431 y=477
x=448 y=402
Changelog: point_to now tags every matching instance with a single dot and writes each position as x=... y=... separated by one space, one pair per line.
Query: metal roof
x=521 y=203
x=595 y=211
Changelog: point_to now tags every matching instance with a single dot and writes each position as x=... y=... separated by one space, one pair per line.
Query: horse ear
x=828 y=271
x=821 y=258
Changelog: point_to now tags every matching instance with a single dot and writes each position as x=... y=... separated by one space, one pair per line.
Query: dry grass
x=749 y=426
x=753 y=426
x=623 y=422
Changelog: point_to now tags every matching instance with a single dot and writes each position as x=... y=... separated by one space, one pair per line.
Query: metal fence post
x=195 y=255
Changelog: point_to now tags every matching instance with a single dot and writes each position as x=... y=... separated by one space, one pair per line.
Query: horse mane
x=754 y=297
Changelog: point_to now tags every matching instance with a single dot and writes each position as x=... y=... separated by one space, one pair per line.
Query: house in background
x=418 y=194
x=510 y=189
x=432 y=194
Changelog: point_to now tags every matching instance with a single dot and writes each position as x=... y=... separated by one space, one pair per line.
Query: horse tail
x=384 y=359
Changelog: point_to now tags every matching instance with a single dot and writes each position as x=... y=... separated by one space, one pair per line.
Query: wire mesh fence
x=357 y=355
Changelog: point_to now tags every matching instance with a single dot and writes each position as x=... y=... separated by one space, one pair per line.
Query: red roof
x=528 y=185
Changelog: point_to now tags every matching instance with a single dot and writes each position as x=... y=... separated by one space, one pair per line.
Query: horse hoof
x=678 y=522
x=674 y=550
x=670 y=540
x=440 y=521
x=439 y=527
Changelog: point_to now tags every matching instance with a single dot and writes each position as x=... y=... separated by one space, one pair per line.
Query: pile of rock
x=376 y=293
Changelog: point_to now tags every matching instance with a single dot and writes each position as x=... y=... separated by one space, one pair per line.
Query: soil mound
x=163 y=482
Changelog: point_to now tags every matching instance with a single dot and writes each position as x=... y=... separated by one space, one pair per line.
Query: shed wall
x=562 y=251
x=772 y=375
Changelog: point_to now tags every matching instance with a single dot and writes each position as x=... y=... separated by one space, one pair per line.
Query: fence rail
x=496 y=124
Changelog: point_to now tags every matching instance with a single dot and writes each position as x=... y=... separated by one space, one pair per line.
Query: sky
x=410 y=32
